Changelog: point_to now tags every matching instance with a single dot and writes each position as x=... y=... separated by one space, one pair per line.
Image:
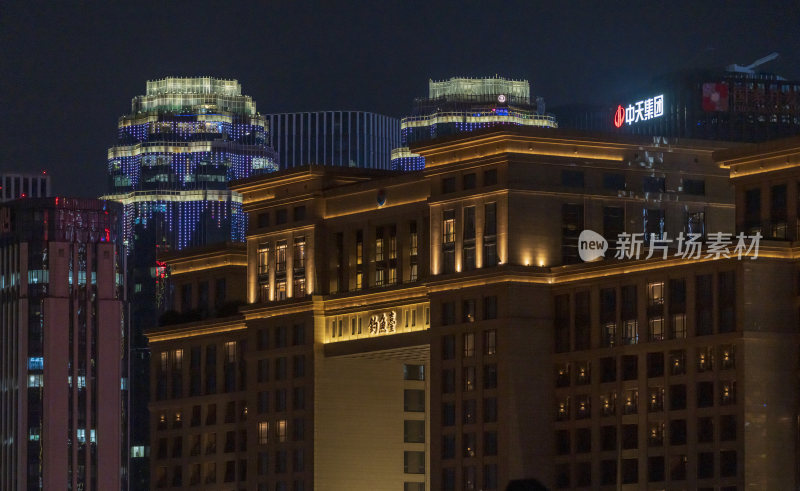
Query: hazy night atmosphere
x=417 y=246
x=71 y=68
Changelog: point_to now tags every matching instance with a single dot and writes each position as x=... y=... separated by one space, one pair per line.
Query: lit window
x=263 y=259
x=469 y=345
x=263 y=433
x=281 y=430
x=449 y=227
x=490 y=342
x=655 y=293
x=230 y=352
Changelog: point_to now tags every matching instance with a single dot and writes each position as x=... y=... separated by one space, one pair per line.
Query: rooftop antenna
x=750 y=69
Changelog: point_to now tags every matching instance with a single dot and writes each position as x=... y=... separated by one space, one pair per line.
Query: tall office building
x=439 y=330
x=467 y=104
x=183 y=140
x=336 y=138
x=743 y=104
x=64 y=339
x=15 y=185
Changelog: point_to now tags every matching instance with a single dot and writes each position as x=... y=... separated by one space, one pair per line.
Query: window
x=608 y=369
x=469 y=411
x=653 y=184
x=469 y=181
x=448 y=313
x=280 y=430
x=571 y=227
x=469 y=239
x=583 y=373
x=263 y=259
x=468 y=377
x=299 y=259
x=280 y=216
x=655 y=365
x=630 y=325
x=490 y=376
x=490 y=232
x=448 y=241
x=705 y=428
x=608 y=438
x=654 y=223
x=705 y=394
x=630 y=471
x=704 y=303
x=613 y=182
x=583 y=440
x=490 y=308
x=414 y=431
x=448 y=347
x=726 y=301
x=562 y=375
x=727 y=392
x=280 y=257
x=448 y=185
x=490 y=410
x=470 y=444
x=752 y=211
x=469 y=345
x=613 y=224
x=572 y=178
x=562 y=442
x=727 y=427
x=448 y=414
x=490 y=177
x=413 y=372
x=677 y=397
x=655 y=435
x=490 y=342
x=468 y=311
x=299 y=213
x=630 y=367
x=705 y=465
x=655 y=400
x=490 y=477
x=630 y=437
x=414 y=462
x=414 y=400
x=694 y=186
x=727 y=358
x=727 y=463
x=655 y=469
x=263 y=220
x=608 y=404
x=677 y=362
x=608 y=317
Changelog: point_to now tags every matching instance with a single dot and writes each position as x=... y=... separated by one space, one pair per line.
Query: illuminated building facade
x=442 y=319
x=176 y=151
x=704 y=104
x=64 y=368
x=14 y=185
x=467 y=104
x=335 y=138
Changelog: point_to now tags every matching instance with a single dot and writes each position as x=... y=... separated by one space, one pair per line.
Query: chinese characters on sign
x=383 y=323
x=719 y=245
x=640 y=111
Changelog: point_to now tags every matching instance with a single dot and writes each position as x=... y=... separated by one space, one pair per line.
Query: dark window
x=608 y=438
x=469 y=411
x=752 y=210
x=490 y=410
x=677 y=432
x=653 y=224
x=694 y=186
x=490 y=376
x=608 y=369
x=727 y=427
x=299 y=213
x=571 y=227
x=655 y=469
x=777 y=212
x=469 y=181
x=490 y=177
x=583 y=440
x=727 y=301
x=562 y=323
x=727 y=463
x=630 y=367
x=614 y=182
x=562 y=476
x=705 y=465
x=705 y=394
x=655 y=365
x=263 y=220
x=653 y=184
x=414 y=400
x=489 y=443
x=448 y=347
x=677 y=397
x=704 y=303
x=613 y=224
x=630 y=471
x=448 y=381
x=677 y=467
x=562 y=442
x=448 y=185
x=582 y=321
x=572 y=178
x=705 y=430
x=583 y=474
x=490 y=307
x=608 y=472
x=280 y=216
x=448 y=446
x=608 y=317
x=448 y=414
x=630 y=437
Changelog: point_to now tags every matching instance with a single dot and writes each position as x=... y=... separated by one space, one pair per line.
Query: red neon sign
x=619 y=116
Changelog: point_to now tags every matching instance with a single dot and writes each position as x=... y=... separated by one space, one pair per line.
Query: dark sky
x=68 y=70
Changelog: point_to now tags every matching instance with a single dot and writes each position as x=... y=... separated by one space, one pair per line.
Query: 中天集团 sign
x=644 y=110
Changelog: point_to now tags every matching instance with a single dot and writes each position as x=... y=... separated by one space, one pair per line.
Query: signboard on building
x=640 y=111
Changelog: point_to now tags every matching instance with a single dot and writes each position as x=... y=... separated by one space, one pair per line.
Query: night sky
x=69 y=69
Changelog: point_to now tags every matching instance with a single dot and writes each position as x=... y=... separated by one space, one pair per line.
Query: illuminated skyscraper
x=467 y=104
x=183 y=140
x=64 y=344
x=334 y=138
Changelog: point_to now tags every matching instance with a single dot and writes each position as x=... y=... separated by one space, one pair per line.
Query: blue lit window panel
x=35 y=363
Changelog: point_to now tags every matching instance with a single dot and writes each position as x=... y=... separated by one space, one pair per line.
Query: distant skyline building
x=739 y=104
x=334 y=138
x=466 y=104
x=64 y=337
x=183 y=140
x=14 y=185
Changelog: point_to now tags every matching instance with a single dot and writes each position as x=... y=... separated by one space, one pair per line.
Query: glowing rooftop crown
x=482 y=87
x=193 y=85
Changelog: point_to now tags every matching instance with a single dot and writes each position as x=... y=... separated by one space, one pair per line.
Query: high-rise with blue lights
x=176 y=151
x=334 y=138
x=466 y=104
